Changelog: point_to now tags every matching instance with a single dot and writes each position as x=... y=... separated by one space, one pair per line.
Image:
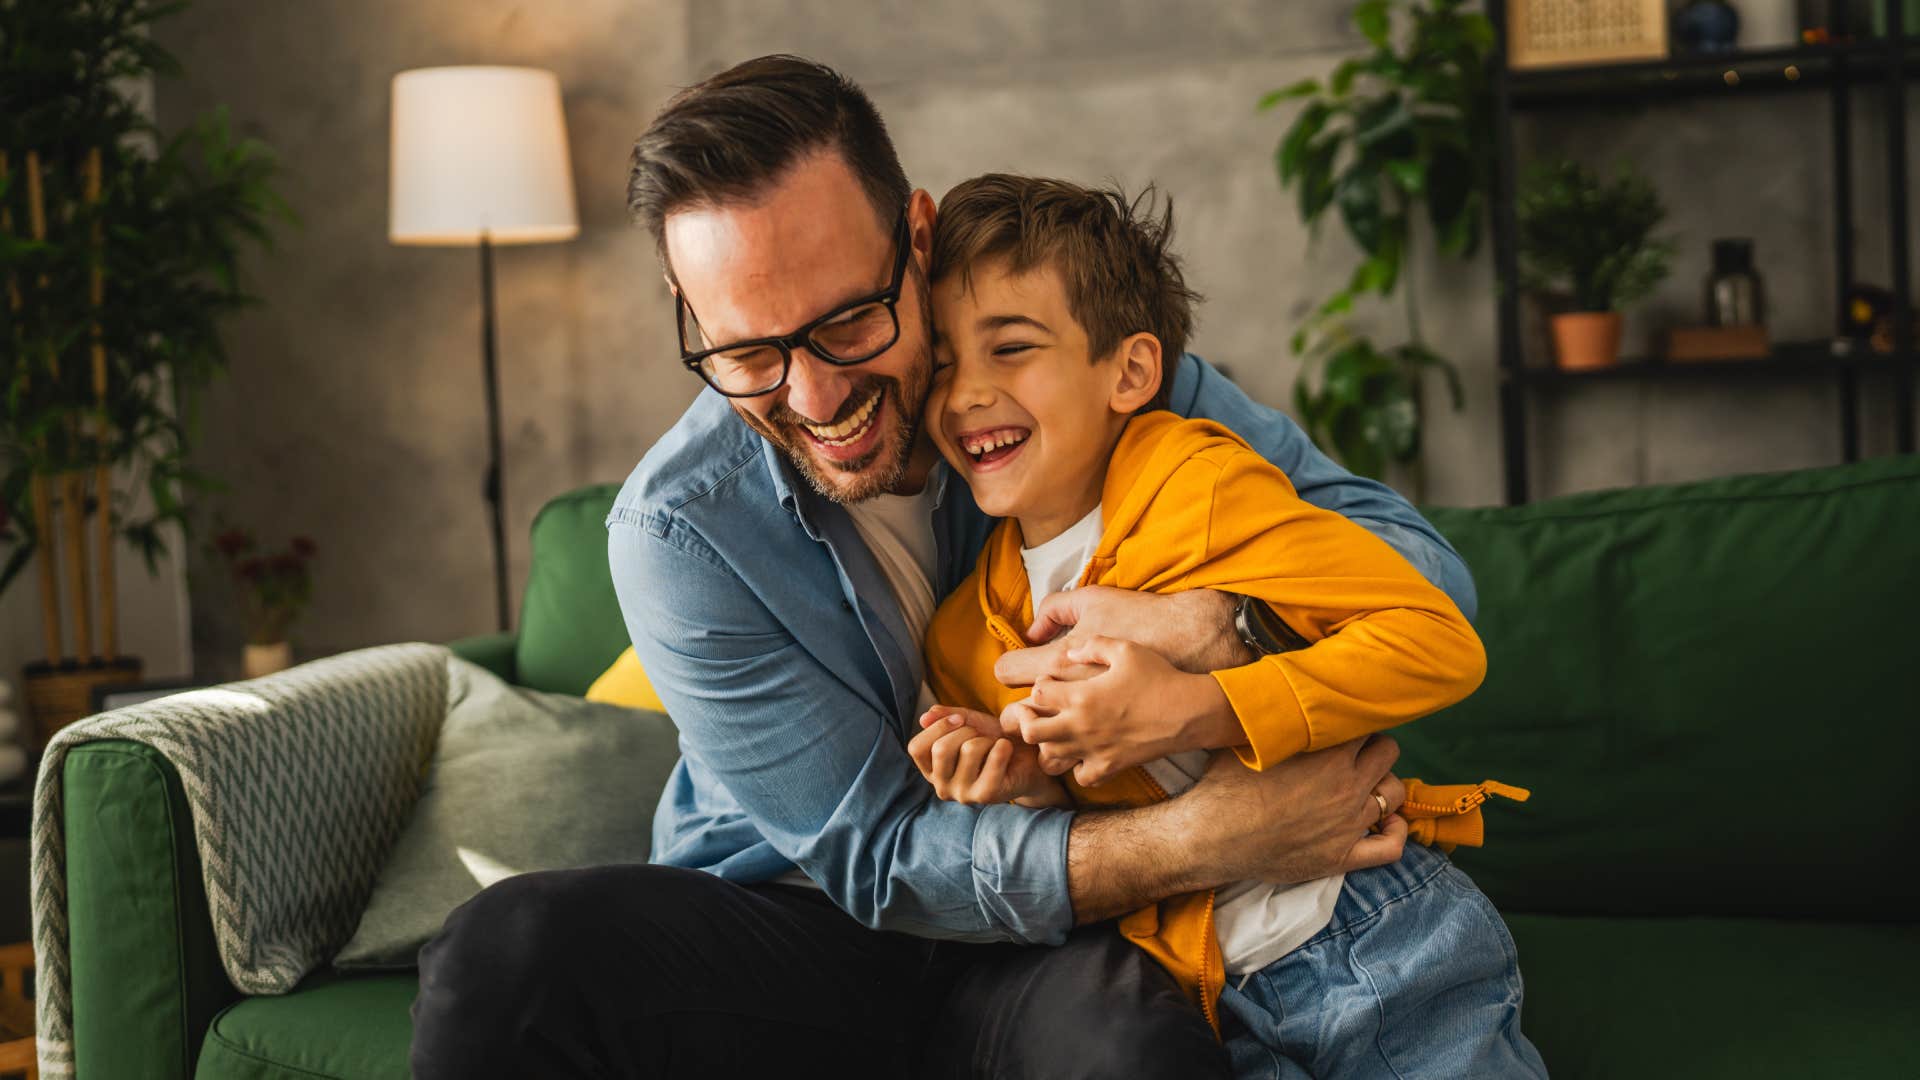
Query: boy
x=1054 y=307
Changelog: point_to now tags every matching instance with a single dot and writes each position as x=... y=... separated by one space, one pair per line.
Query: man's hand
x=1308 y=817
x=1193 y=630
x=1134 y=707
x=1305 y=818
x=963 y=755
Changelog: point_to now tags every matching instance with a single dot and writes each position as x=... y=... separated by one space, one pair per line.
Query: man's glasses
x=852 y=333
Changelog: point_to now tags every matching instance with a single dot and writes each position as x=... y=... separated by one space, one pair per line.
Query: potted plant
x=1594 y=241
x=1400 y=131
x=119 y=251
x=276 y=587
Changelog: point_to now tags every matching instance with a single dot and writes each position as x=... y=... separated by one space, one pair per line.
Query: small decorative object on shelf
x=1706 y=26
x=1735 y=296
x=1868 y=319
x=1548 y=33
x=1687 y=344
x=276 y=585
x=1595 y=239
x=1769 y=24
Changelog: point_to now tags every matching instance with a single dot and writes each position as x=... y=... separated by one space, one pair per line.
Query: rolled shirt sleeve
x=818 y=767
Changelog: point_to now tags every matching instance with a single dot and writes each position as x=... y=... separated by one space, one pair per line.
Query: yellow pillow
x=625 y=683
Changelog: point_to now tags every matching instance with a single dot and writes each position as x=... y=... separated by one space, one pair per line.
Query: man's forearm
x=1122 y=860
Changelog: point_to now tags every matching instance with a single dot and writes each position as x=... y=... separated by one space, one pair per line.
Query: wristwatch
x=1262 y=631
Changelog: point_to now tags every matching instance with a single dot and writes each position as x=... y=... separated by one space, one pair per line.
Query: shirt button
x=844 y=606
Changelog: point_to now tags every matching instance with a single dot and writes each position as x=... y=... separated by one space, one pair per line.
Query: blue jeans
x=1416 y=976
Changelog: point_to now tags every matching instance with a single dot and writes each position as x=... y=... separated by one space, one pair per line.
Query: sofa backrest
x=570 y=624
x=1712 y=688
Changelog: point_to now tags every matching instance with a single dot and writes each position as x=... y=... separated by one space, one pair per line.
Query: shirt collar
x=807 y=505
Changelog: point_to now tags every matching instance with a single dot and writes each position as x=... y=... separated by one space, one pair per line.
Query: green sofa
x=1710 y=688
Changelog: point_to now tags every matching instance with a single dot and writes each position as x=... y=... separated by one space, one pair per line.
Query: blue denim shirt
x=771 y=635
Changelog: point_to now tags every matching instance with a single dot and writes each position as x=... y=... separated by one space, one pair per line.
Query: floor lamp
x=479 y=157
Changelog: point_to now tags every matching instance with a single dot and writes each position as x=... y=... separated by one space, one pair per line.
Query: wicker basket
x=59 y=694
x=1543 y=33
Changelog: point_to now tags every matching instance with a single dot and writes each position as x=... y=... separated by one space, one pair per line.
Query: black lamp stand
x=493 y=488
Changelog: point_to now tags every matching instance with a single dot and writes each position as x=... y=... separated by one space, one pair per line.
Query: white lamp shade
x=479 y=150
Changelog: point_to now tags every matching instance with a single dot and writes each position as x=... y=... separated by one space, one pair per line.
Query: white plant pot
x=261 y=660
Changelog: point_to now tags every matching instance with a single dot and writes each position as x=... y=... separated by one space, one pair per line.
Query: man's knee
x=542 y=923
x=508 y=928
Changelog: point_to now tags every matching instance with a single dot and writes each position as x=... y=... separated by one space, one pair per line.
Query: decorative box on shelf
x=1549 y=33
x=1692 y=344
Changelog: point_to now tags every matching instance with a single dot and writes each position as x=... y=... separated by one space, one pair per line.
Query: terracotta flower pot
x=1583 y=340
x=261 y=660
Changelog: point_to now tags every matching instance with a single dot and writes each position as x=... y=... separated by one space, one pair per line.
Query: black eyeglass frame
x=803 y=337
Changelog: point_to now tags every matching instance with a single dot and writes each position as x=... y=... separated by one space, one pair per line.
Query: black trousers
x=650 y=971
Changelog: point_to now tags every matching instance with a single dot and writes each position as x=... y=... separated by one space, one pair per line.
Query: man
x=777 y=556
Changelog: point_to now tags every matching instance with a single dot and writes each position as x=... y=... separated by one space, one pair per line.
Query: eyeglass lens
x=851 y=336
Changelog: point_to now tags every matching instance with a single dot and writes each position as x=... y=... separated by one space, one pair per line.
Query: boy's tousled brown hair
x=1112 y=253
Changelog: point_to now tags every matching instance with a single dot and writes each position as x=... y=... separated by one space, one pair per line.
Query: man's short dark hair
x=729 y=138
x=1112 y=253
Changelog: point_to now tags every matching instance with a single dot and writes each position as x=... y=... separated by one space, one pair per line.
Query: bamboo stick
x=74 y=487
x=103 y=475
x=43 y=522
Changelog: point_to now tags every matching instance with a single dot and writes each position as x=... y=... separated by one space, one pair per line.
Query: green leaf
x=1409 y=175
x=1374 y=21
x=1303 y=88
x=1377 y=274
x=1341 y=82
x=1394 y=423
x=1292 y=155
x=1358 y=194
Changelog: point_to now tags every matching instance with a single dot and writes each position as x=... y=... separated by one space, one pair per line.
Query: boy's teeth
x=981 y=444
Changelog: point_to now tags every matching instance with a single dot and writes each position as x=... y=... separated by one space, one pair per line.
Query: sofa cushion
x=1705 y=998
x=331 y=1025
x=520 y=781
x=626 y=683
x=1709 y=688
x=570 y=624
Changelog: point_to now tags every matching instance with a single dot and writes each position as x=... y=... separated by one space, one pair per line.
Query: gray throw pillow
x=521 y=780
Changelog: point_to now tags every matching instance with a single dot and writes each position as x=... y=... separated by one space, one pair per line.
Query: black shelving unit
x=1839 y=70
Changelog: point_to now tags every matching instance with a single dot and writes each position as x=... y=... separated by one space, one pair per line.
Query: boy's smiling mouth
x=989 y=448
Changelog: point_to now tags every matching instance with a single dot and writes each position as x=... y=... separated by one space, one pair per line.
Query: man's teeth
x=848 y=430
x=993 y=440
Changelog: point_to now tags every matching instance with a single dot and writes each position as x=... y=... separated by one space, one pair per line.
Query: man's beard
x=902 y=402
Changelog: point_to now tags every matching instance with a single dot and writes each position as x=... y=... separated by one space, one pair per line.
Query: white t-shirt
x=898 y=530
x=1257 y=923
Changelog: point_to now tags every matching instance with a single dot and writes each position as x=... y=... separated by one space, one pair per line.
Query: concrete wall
x=354 y=410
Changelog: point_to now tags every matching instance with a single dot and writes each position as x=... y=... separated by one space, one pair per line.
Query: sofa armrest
x=216 y=844
x=145 y=976
x=495 y=652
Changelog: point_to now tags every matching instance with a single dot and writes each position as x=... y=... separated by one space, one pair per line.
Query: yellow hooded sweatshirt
x=1188 y=505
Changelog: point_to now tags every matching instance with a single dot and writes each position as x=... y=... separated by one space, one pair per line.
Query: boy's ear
x=1137 y=374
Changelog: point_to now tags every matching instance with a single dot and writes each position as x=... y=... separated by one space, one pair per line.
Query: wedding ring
x=1382 y=800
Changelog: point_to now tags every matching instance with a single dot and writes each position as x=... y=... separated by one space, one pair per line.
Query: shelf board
x=1800 y=67
x=1804 y=359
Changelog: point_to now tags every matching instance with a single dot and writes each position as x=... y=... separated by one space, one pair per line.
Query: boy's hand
x=963 y=755
x=1134 y=708
x=1192 y=629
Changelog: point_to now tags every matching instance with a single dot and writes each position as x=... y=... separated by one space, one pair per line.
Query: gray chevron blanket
x=299 y=784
